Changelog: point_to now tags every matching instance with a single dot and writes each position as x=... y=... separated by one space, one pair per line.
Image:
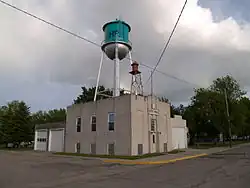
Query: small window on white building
x=111 y=121
x=93 y=123
x=153 y=139
x=78 y=124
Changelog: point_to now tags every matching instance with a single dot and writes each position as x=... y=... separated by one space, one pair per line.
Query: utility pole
x=152 y=91
x=228 y=119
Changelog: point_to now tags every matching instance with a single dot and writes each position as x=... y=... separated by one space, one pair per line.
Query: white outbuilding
x=179 y=133
x=50 y=137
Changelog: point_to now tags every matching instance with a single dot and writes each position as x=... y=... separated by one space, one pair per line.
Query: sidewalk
x=171 y=158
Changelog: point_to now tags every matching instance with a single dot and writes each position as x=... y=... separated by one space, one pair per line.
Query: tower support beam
x=116 y=91
x=98 y=77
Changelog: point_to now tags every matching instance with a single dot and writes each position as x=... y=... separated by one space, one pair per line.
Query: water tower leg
x=116 y=91
x=98 y=77
x=132 y=80
x=130 y=57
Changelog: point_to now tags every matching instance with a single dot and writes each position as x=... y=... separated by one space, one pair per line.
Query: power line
x=169 y=75
x=49 y=23
x=89 y=41
x=168 y=41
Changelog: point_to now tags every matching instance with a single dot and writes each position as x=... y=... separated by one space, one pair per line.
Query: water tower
x=116 y=46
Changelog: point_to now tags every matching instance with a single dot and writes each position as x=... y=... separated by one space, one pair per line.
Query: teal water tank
x=116 y=33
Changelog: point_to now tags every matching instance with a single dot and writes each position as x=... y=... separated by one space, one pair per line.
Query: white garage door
x=41 y=139
x=56 y=140
x=179 y=138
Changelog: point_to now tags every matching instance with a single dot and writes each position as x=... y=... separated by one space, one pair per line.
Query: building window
x=93 y=123
x=153 y=124
x=78 y=124
x=153 y=139
x=41 y=139
x=111 y=121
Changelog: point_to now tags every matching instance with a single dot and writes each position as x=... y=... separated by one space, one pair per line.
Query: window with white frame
x=111 y=121
x=93 y=123
x=78 y=124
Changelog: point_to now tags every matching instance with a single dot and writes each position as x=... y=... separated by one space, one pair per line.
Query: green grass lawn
x=207 y=145
x=111 y=156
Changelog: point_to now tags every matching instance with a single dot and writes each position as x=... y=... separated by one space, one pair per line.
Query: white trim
x=56 y=129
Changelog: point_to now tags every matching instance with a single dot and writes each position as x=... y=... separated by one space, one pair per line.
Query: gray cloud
x=46 y=67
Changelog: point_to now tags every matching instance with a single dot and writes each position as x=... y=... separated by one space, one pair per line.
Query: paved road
x=229 y=169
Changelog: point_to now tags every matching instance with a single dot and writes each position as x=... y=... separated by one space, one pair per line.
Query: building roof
x=51 y=125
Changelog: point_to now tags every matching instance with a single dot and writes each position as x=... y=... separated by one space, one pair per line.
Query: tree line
x=206 y=115
x=17 y=123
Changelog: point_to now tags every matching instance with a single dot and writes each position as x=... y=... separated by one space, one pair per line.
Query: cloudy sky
x=46 y=67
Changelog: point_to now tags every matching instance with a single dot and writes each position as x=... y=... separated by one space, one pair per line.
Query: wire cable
x=94 y=43
x=168 y=41
x=49 y=23
x=171 y=76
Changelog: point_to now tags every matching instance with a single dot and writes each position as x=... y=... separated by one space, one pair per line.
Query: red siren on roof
x=135 y=68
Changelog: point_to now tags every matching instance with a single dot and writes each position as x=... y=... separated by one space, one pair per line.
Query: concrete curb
x=154 y=162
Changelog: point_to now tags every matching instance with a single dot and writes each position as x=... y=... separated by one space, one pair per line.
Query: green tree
x=233 y=89
x=50 y=116
x=16 y=125
x=179 y=110
x=229 y=86
x=206 y=115
x=210 y=112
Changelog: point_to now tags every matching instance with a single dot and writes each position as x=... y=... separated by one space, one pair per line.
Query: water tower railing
x=118 y=41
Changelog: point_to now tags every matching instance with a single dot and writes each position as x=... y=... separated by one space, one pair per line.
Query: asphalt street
x=229 y=169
